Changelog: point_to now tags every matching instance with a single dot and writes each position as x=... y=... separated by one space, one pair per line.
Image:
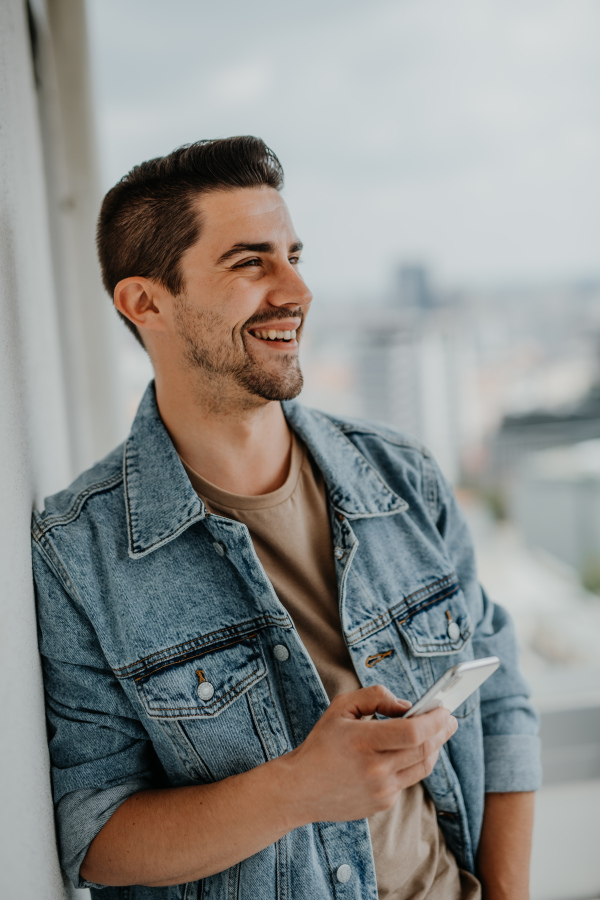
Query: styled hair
x=148 y=221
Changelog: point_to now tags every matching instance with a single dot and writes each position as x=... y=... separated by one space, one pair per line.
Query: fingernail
x=455 y=725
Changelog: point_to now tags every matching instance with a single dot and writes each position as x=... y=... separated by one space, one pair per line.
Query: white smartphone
x=455 y=685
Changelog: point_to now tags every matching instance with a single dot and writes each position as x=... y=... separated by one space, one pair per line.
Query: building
x=557 y=505
x=418 y=373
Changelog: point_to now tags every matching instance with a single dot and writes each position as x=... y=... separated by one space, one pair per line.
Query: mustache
x=274 y=316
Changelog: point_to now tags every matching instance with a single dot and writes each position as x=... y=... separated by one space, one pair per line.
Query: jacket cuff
x=81 y=814
x=512 y=762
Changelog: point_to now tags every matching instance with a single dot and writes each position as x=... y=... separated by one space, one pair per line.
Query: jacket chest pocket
x=436 y=626
x=216 y=704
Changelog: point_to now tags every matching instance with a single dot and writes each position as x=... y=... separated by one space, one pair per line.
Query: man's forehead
x=227 y=213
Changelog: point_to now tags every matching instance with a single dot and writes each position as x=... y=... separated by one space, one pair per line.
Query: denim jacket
x=139 y=587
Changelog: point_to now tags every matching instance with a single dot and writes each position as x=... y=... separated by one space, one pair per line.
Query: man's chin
x=278 y=392
x=271 y=387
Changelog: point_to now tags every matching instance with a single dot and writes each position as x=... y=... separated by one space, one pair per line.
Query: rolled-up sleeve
x=509 y=721
x=99 y=750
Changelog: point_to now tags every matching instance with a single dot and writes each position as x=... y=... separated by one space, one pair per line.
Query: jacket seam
x=387 y=616
x=430 y=484
x=54 y=561
x=326 y=854
x=74 y=511
x=253 y=622
x=249 y=679
x=435 y=600
x=367 y=428
x=268 y=746
x=192 y=655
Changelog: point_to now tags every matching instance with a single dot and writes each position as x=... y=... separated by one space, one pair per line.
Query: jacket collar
x=161 y=502
x=356 y=488
x=159 y=499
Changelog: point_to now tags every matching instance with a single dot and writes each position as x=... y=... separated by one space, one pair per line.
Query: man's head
x=198 y=250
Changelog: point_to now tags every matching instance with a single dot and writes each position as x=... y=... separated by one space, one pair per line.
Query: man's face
x=242 y=309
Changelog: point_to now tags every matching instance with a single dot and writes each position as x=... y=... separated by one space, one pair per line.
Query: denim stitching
x=55 y=563
x=136 y=548
x=425 y=605
x=279 y=722
x=267 y=745
x=190 y=765
x=395 y=440
x=278 y=868
x=329 y=866
x=414 y=611
x=175 y=660
x=249 y=678
x=266 y=620
x=387 y=616
x=384 y=484
x=285 y=704
x=78 y=504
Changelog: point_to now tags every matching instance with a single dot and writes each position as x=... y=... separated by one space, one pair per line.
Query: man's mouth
x=272 y=335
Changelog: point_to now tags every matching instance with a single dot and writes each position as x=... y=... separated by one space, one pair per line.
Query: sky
x=461 y=133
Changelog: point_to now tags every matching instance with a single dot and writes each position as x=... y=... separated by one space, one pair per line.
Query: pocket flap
x=438 y=621
x=202 y=682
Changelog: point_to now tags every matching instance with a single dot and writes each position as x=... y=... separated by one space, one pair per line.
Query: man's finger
x=368 y=701
x=417 y=772
x=403 y=734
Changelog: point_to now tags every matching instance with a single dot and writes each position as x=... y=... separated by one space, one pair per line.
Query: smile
x=273 y=335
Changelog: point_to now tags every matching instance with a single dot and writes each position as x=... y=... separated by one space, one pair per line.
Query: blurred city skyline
x=464 y=135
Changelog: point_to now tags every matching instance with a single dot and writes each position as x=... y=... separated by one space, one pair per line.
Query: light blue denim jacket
x=139 y=587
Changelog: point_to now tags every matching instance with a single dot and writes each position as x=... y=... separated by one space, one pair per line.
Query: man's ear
x=142 y=302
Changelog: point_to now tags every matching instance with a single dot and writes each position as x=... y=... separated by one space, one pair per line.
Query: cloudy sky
x=465 y=133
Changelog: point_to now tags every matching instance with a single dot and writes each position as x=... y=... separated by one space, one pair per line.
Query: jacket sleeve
x=509 y=721
x=99 y=750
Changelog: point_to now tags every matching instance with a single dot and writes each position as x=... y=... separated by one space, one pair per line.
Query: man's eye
x=246 y=263
x=295 y=260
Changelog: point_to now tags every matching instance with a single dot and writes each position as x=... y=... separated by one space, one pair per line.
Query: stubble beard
x=205 y=349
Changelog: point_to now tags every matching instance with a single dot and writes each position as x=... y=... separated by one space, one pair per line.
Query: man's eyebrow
x=264 y=247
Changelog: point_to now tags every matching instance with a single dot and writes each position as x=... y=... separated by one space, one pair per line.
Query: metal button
x=281 y=652
x=338 y=552
x=344 y=873
x=219 y=548
x=453 y=631
x=206 y=690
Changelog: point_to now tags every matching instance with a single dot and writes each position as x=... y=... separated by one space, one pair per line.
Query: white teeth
x=273 y=335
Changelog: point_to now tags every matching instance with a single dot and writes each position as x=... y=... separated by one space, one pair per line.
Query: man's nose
x=289 y=287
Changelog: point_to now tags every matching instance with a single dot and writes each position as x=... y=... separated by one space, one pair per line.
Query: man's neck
x=244 y=450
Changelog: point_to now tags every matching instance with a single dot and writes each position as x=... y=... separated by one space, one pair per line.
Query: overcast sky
x=462 y=132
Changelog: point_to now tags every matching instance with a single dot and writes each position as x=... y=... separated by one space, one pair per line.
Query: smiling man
x=237 y=605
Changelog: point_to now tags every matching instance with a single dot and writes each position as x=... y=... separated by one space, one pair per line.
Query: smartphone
x=455 y=685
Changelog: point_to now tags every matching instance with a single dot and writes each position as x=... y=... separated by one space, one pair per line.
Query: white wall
x=56 y=383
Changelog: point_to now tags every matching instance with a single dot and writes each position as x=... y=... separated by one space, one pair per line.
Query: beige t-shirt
x=291 y=533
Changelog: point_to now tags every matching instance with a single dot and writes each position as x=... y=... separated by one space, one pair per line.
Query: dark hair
x=147 y=220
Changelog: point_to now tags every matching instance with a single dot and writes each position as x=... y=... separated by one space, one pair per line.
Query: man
x=207 y=589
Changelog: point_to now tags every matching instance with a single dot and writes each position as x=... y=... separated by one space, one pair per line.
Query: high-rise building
x=415 y=290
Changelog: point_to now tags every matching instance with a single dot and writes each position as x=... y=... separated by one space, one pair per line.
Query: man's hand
x=347 y=768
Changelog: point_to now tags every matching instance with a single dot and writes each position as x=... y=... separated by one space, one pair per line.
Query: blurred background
x=441 y=161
